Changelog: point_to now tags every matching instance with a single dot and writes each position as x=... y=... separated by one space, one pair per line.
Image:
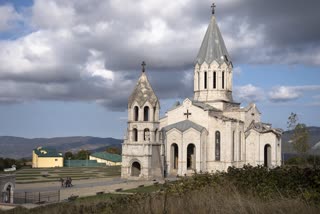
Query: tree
x=83 y=155
x=113 y=150
x=68 y=155
x=300 y=134
x=300 y=139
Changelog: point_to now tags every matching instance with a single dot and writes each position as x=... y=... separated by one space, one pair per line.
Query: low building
x=107 y=158
x=46 y=158
x=7 y=185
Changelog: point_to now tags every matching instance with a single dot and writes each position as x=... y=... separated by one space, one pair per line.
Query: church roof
x=183 y=126
x=213 y=47
x=205 y=106
x=143 y=92
x=263 y=128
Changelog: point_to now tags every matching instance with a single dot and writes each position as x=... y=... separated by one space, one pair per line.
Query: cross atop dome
x=143 y=66
x=213 y=7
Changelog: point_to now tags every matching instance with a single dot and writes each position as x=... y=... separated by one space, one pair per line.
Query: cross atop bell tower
x=213 y=8
x=143 y=66
x=213 y=68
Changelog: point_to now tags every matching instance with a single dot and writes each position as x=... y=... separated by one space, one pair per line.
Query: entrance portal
x=174 y=156
x=135 y=169
x=267 y=155
x=6 y=194
x=191 y=156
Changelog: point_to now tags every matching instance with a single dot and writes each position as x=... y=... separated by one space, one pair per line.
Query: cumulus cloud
x=91 y=50
x=8 y=16
x=288 y=93
x=248 y=93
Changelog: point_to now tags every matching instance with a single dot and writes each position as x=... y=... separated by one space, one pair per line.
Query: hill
x=314 y=141
x=18 y=147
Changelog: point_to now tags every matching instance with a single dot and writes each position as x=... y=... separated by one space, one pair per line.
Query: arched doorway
x=7 y=194
x=174 y=156
x=191 y=156
x=267 y=155
x=135 y=169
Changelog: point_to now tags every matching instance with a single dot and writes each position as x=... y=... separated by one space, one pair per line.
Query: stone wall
x=6 y=181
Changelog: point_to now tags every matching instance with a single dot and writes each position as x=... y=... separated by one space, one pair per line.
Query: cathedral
x=207 y=133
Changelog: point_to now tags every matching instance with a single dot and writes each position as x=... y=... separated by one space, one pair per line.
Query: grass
x=222 y=199
x=247 y=190
x=145 y=189
x=34 y=175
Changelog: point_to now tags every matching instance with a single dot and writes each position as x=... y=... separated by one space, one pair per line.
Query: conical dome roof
x=143 y=92
x=213 y=47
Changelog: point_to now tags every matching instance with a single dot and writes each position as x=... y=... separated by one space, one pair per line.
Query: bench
x=118 y=190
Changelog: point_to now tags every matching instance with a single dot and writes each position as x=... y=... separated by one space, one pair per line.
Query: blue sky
x=68 y=67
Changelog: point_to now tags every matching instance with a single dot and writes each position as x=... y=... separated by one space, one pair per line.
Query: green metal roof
x=107 y=156
x=47 y=152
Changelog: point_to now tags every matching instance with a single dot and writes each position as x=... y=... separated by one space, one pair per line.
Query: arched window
x=146 y=113
x=232 y=149
x=223 y=80
x=217 y=145
x=205 y=80
x=136 y=113
x=135 y=134
x=239 y=146
x=146 y=135
x=214 y=79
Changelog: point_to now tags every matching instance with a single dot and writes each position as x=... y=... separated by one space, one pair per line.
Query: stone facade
x=142 y=151
x=208 y=133
x=7 y=186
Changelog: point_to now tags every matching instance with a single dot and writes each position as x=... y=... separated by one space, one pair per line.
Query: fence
x=82 y=163
x=36 y=197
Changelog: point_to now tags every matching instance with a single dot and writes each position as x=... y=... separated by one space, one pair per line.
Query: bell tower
x=213 y=68
x=142 y=155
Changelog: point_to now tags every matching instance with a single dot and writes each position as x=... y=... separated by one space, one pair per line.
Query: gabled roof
x=263 y=128
x=107 y=156
x=47 y=152
x=213 y=47
x=205 y=106
x=183 y=126
x=143 y=92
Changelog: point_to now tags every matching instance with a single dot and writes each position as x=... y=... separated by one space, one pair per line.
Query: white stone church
x=207 y=133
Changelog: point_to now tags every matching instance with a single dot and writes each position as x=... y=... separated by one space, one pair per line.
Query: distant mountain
x=314 y=141
x=17 y=147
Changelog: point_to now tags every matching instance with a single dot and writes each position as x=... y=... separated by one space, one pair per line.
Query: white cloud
x=8 y=16
x=92 y=49
x=248 y=93
x=288 y=93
